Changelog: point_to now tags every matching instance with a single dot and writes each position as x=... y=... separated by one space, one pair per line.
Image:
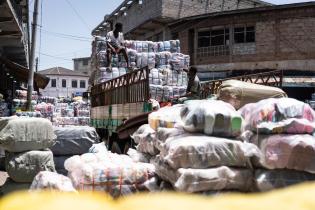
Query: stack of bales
x=25 y=141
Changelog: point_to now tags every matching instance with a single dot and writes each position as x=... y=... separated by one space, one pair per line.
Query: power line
x=79 y=16
x=66 y=35
x=55 y=57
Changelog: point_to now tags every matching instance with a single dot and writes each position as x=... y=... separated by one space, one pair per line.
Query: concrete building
x=82 y=65
x=64 y=82
x=149 y=19
x=236 y=42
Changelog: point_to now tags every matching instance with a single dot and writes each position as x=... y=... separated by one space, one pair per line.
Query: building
x=82 y=65
x=64 y=82
x=148 y=20
x=231 y=43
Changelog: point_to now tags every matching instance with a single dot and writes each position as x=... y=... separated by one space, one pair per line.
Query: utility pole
x=36 y=61
x=32 y=57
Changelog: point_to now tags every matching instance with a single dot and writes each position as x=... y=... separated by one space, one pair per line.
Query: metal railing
x=213 y=51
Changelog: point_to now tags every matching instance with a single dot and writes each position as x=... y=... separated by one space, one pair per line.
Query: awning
x=21 y=73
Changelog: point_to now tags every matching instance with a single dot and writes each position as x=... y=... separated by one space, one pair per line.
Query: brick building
x=149 y=19
x=82 y=65
x=228 y=43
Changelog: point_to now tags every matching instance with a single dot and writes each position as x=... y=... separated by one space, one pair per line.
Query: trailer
x=121 y=105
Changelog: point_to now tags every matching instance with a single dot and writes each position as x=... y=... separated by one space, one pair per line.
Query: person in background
x=193 y=87
x=115 y=42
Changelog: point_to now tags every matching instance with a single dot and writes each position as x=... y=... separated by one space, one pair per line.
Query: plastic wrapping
x=98 y=148
x=166 y=117
x=199 y=151
x=212 y=118
x=163 y=134
x=286 y=152
x=201 y=180
x=74 y=140
x=239 y=93
x=23 y=167
x=145 y=137
x=137 y=156
x=275 y=110
x=46 y=180
x=266 y=180
x=24 y=134
x=107 y=172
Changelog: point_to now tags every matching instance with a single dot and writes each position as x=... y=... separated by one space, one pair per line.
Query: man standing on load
x=115 y=42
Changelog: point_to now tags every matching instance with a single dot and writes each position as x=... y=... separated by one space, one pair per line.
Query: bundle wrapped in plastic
x=266 y=180
x=107 y=172
x=100 y=44
x=145 y=137
x=46 y=180
x=132 y=56
x=211 y=117
x=167 y=46
x=162 y=59
x=199 y=151
x=175 y=46
x=153 y=46
x=130 y=44
x=288 y=126
x=239 y=93
x=24 y=134
x=275 y=110
x=286 y=152
x=166 y=117
x=163 y=134
x=137 y=156
x=177 y=61
x=142 y=60
x=156 y=77
x=161 y=46
x=74 y=140
x=176 y=78
x=101 y=59
x=151 y=60
x=23 y=167
x=157 y=91
x=98 y=148
x=59 y=162
x=201 y=180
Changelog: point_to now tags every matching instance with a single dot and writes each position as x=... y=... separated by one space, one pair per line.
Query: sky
x=66 y=25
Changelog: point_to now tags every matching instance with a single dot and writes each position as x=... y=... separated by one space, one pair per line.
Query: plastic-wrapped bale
x=163 y=134
x=167 y=46
x=286 y=152
x=11 y=186
x=108 y=172
x=98 y=148
x=151 y=60
x=166 y=117
x=201 y=180
x=199 y=152
x=177 y=78
x=144 y=137
x=156 y=92
x=24 y=134
x=162 y=59
x=46 y=180
x=161 y=46
x=142 y=59
x=153 y=47
x=156 y=77
x=288 y=126
x=240 y=93
x=75 y=140
x=175 y=46
x=275 y=110
x=132 y=56
x=137 y=156
x=212 y=118
x=23 y=167
x=101 y=58
x=177 y=61
x=266 y=180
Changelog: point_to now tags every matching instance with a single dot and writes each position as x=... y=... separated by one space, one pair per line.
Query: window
x=82 y=83
x=64 y=83
x=74 y=83
x=85 y=62
x=218 y=37
x=244 y=34
x=53 y=83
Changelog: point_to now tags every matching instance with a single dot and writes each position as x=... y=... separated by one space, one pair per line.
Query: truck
x=121 y=105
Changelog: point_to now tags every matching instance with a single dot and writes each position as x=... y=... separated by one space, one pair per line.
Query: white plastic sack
x=23 y=167
x=145 y=137
x=23 y=134
x=286 y=152
x=96 y=171
x=98 y=148
x=137 y=156
x=199 y=151
x=201 y=180
x=211 y=117
x=166 y=117
x=46 y=180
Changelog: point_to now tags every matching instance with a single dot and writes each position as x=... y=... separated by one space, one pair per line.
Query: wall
x=78 y=66
x=58 y=91
x=285 y=39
